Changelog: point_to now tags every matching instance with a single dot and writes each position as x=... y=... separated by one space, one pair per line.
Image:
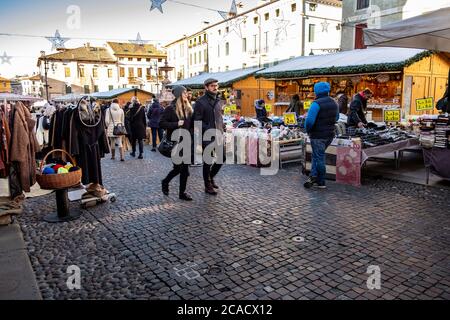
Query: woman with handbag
x=176 y=116
x=115 y=123
x=138 y=124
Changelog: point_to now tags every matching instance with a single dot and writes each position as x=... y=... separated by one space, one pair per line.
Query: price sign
x=233 y=107
x=290 y=119
x=307 y=104
x=392 y=115
x=227 y=110
x=268 y=107
x=424 y=104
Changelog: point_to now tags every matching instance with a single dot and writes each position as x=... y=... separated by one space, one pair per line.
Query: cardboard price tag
x=233 y=107
x=227 y=110
x=392 y=115
x=307 y=104
x=290 y=119
x=424 y=104
x=268 y=107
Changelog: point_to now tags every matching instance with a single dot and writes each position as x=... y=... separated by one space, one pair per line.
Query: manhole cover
x=298 y=239
x=214 y=270
x=257 y=222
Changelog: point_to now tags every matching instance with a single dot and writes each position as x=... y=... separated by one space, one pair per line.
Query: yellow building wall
x=253 y=89
x=5 y=85
x=429 y=79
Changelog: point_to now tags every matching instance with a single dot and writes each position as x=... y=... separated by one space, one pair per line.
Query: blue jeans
x=318 y=168
x=160 y=133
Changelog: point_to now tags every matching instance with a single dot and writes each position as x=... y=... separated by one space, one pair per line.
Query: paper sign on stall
x=424 y=104
x=307 y=105
x=227 y=110
x=290 y=119
x=268 y=107
x=392 y=115
x=233 y=107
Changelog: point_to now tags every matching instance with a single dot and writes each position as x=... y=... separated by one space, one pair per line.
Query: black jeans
x=160 y=133
x=183 y=171
x=141 y=145
x=211 y=170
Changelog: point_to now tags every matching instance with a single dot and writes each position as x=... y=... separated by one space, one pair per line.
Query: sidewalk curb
x=17 y=278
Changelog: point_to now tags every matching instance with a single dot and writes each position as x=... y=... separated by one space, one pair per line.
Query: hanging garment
x=23 y=146
x=88 y=141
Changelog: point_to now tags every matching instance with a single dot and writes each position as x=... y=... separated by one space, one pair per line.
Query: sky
x=100 y=20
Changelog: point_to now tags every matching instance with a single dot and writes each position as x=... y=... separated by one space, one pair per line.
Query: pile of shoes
x=9 y=208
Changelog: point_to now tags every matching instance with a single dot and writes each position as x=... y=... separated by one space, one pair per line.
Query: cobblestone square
x=307 y=244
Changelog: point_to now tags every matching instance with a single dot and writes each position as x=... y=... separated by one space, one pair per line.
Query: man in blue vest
x=320 y=126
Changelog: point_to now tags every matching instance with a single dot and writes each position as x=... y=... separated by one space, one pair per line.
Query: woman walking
x=138 y=124
x=115 y=116
x=177 y=115
x=154 y=116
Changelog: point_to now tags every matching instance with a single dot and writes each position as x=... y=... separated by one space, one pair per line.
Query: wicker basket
x=58 y=181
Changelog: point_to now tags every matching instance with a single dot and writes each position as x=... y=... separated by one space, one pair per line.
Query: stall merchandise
x=18 y=146
x=379 y=135
x=435 y=131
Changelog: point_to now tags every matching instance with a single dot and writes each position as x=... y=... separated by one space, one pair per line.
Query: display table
x=392 y=147
x=437 y=162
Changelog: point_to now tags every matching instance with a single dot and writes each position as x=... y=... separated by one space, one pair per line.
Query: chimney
x=88 y=45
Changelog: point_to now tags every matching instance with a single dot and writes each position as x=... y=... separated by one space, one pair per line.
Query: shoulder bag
x=119 y=129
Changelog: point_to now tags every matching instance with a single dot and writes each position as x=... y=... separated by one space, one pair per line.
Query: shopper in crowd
x=261 y=112
x=208 y=111
x=358 y=106
x=177 y=115
x=138 y=124
x=115 y=116
x=295 y=105
x=154 y=116
x=342 y=101
x=320 y=126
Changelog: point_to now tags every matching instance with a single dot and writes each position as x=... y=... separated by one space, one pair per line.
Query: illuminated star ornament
x=157 y=4
x=325 y=25
x=5 y=58
x=139 y=40
x=281 y=29
x=234 y=25
x=57 y=41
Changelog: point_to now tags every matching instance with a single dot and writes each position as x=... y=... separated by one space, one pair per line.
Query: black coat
x=138 y=122
x=357 y=111
x=209 y=112
x=261 y=113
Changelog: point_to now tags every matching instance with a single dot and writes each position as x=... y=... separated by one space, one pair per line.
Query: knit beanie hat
x=177 y=91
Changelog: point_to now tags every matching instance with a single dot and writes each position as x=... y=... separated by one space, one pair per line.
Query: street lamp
x=43 y=57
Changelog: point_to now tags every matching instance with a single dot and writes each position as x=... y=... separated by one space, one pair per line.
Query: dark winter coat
x=342 y=101
x=357 y=111
x=154 y=114
x=138 y=122
x=208 y=111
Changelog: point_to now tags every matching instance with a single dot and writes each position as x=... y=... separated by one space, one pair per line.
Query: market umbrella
x=428 y=31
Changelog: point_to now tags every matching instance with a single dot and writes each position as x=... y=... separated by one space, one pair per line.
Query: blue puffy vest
x=326 y=119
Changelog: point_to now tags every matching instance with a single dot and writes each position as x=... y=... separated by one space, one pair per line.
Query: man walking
x=320 y=125
x=208 y=111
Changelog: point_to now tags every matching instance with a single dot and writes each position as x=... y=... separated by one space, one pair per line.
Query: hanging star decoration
x=5 y=58
x=139 y=42
x=223 y=14
x=234 y=25
x=57 y=41
x=325 y=25
x=157 y=4
x=281 y=30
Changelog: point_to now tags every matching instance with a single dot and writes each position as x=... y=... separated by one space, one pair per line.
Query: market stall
x=397 y=76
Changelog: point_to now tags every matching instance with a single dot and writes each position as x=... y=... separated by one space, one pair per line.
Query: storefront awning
x=69 y=97
x=108 y=95
x=17 y=97
x=346 y=62
x=428 y=31
x=226 y=78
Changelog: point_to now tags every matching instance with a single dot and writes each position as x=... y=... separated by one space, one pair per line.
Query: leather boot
x=214 y=185
x=122 y=154
x=209 y=189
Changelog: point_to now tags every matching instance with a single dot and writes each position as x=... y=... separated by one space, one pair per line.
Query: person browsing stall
x=358 y=106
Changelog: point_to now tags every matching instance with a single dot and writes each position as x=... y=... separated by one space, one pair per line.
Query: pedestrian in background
x=358 y=106
x=115 y=116
x=295 y=105
x=176 y=116
x=154 y=116
x=138 y=124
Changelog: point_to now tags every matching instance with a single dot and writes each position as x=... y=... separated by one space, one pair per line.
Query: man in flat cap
x=208 y=110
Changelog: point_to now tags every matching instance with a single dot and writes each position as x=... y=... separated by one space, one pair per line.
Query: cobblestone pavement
x=262 y=237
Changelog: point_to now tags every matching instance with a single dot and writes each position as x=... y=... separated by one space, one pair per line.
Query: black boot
x=133 y=154
x=185 y=197
x=165 y=188
x=214 y=185
x=141 y=156
x=209 y=189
